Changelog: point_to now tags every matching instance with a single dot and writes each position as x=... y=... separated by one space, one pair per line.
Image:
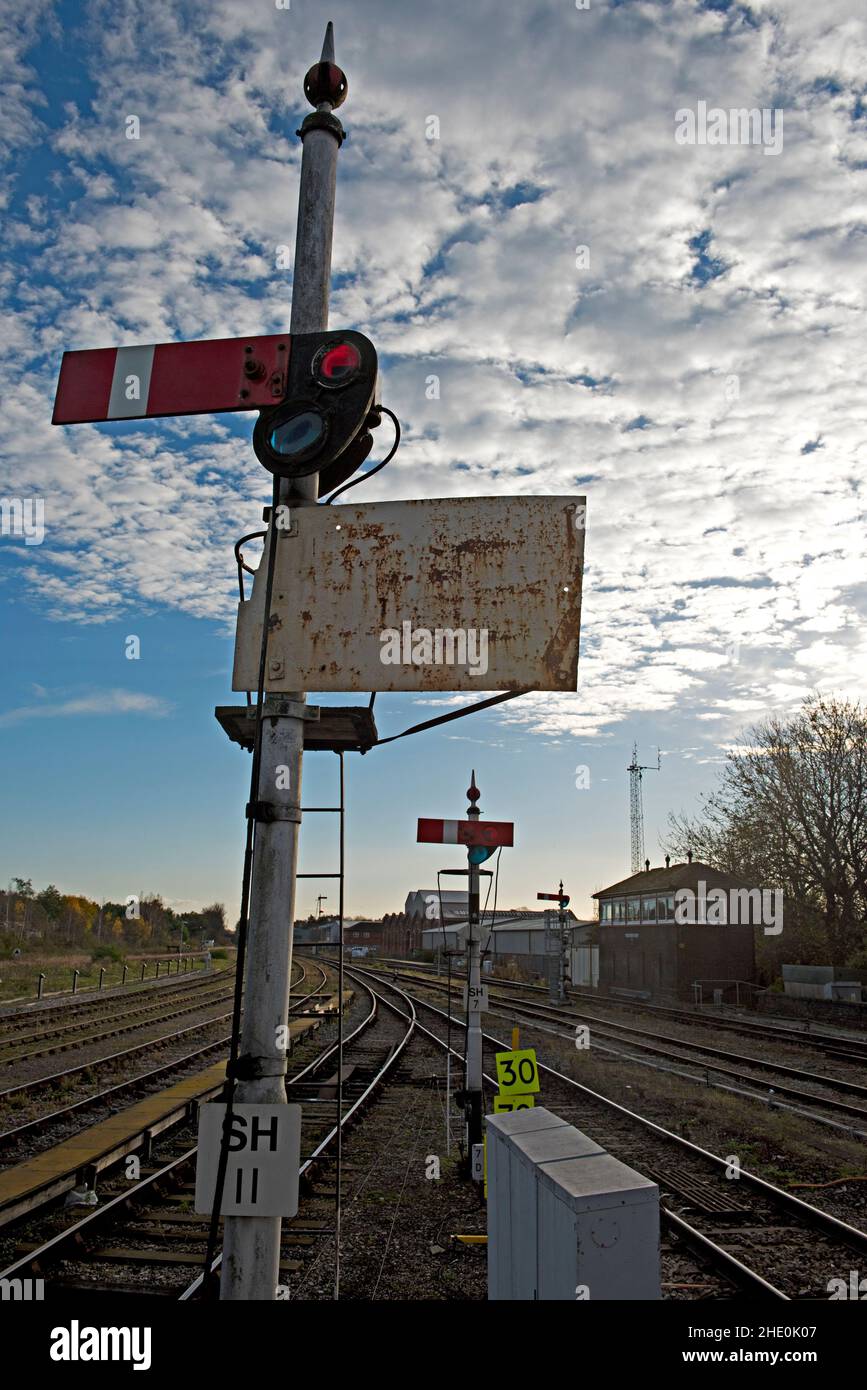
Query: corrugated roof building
x=521 y=937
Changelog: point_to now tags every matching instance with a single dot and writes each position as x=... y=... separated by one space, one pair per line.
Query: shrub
x=107 y=953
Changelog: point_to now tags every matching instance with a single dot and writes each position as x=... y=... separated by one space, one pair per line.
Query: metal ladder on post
x=340 y=876
x=336 y=729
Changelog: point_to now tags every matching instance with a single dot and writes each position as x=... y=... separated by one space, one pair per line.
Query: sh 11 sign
x=264 y=1157
x=455 y=593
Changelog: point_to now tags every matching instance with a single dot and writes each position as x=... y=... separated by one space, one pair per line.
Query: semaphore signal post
x=481 y=839
x=558 y=990
x=440 y=594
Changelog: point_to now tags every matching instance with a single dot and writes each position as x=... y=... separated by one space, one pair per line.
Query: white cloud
x=708 y=529
x=98 y=702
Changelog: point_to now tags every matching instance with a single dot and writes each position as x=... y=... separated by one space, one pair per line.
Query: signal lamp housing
x=321 y=424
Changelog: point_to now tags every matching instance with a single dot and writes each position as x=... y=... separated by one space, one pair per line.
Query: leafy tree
x=52 y=902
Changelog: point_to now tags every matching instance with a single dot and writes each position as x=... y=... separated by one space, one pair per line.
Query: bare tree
x=791 y=812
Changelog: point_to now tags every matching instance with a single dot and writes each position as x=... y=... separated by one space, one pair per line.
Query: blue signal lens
x=298 y=435
x=478 y=854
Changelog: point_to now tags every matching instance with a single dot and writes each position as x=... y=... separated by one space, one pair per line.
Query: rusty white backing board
x=509 y=567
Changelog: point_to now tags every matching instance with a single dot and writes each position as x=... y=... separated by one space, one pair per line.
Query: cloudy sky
x=674 y=329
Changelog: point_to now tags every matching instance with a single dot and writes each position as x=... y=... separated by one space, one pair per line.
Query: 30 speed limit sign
x=517 y=1072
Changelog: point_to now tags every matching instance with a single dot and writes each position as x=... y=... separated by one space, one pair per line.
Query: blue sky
x=697 y=372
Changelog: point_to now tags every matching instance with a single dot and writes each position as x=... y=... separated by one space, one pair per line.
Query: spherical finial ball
x=326 y=82
x=473 y=793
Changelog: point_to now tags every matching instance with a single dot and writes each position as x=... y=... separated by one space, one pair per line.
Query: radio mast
x=636 y=805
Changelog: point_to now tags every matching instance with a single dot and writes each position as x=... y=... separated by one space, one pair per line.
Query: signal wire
x=363 y=477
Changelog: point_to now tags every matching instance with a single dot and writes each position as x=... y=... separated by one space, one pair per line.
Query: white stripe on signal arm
x=131 y=383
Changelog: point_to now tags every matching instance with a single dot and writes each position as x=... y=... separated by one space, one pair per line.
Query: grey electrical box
x=565 y=1219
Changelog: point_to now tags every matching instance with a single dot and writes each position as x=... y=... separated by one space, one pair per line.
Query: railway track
x=83 y=1069
x=146 y=1239
x=33 y=1046
x=683 y=1051
x=844 y=1046
x=769 y=1242
x=109 y=1097
x=16 y=1021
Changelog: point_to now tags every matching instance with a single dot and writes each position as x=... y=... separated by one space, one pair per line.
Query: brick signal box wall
x=664 y=959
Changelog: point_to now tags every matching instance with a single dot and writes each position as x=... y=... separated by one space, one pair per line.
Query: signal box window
x=665 y=909
x=648 y=910
x=633 y=909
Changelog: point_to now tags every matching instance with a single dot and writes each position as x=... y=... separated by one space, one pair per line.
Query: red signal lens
x=337 y=365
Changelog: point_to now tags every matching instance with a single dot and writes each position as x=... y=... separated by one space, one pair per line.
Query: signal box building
x=684 y=931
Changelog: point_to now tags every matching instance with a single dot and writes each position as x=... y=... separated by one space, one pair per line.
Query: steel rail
x=814 y=1216
x=733 y=1268
x=56 y=1076
x=33 y=1009
x=72 y=1237
x=157 y=1073
x=821 y=1042
x=550 y=1013
x=72 y=1043
x=342 y=1120
x=216 y=986
x=555 y=1014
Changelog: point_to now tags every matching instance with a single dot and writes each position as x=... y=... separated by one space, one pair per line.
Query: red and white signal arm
x=199 y=378
x=465 y=832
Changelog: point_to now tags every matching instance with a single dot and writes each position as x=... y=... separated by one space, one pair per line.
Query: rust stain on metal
x=557 y=656
x=505 y=569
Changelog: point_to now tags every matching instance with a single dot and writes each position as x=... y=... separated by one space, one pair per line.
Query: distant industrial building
x=323 y=933
x=523 y=939
x=358 y=933
x=683 y=931
x=426 y=902
x=363 y=937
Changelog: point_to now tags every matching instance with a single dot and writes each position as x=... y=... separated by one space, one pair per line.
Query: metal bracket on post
x=280 y=707
x=270 y=811
x=249 y=1068
x=322 y=120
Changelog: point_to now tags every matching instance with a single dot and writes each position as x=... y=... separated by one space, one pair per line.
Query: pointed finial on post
x=325 y=85
x=473 y=795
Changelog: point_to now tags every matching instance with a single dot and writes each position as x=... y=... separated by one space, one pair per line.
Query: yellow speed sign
x=508 y=1103
x=517 y=1072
